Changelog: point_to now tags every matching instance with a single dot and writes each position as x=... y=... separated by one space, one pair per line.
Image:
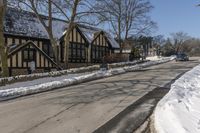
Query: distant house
x=143 y=44
x=28 y=42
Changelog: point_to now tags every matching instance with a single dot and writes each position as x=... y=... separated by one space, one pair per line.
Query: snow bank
x=4 y=81
x=179 y=110
x=19 y=78
x=153 y=58
x=122 y=64
x=74 y=80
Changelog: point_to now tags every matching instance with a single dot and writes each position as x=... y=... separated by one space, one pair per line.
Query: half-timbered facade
x=22 y=57
x=88 y=45
x=28 y=42
x=78 y=47
x=101 y=44
x=100 y=48
x=23 y=28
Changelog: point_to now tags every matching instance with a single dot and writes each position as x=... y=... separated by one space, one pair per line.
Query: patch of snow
x=25 y=23
x=50 y=74
x=179 y=110
x=89 y=32
x=153 y=58
x=124 y=63
x=63 y=81
x=40 y=81
x=62 y=72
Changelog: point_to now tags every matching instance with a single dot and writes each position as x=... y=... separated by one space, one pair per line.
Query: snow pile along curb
x=14 y=79
x=179 y=110
x=9 y=80
x=75 y=80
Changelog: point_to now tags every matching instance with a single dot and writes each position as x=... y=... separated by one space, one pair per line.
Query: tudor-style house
x=29 y=45
x=88 y=45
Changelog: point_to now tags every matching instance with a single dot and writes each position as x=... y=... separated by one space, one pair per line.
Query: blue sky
x=176 y=15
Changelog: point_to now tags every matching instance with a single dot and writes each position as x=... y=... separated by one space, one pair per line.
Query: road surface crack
x=47 y=119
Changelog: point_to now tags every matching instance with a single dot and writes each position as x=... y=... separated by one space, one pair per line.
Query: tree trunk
x=67 y=42
x=66 y=57
x=55 y=48
x=119 y=26
x=69 y=29
x=119 y=36
x=3 y=50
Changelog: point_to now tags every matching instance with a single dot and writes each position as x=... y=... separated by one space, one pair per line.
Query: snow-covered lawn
x=40 y=81
x=49 y=83
x=48 y=74
x=179 y=110
x=8 y=80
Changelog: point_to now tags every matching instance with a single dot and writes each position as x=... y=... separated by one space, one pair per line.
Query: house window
x=98 y=52
x=76 y=52
x=29 y=55
x=48 y=50
x=51 y=54
x=45 y=48
x=25 y=55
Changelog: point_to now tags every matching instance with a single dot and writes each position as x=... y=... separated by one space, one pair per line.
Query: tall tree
x=126 y=17
x=3 y=48
x=112 y=12
x=70 y=27
x=178 y=39
x=136 y=20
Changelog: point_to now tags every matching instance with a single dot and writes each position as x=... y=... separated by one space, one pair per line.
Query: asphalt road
x=86 y=107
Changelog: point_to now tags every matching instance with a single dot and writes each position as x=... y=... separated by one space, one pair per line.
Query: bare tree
x=3 y=48
x=191 y=47
x=136 y=19
x=178 y=42
x=178 y=39
x=126 y=17
x=70 y=27
x=112 y=12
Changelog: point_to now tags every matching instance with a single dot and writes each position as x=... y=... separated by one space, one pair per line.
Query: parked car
x=182 y=57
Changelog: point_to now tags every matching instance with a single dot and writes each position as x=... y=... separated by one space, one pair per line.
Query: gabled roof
x=90 y=32
x=24 y=23
x=81 y=33
x=112 y=41
x=19 y=47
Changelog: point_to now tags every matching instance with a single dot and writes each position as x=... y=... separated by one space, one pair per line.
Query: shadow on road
x=131 y=118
